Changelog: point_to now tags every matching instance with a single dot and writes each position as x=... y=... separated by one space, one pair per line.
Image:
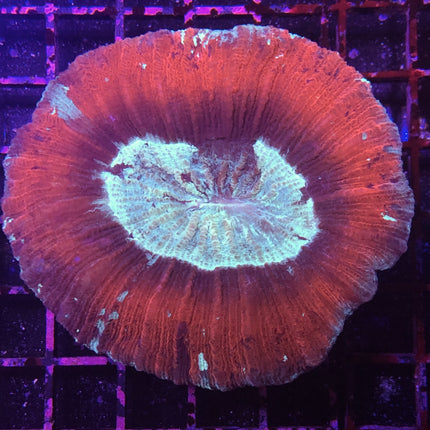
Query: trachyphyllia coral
x=207 y=206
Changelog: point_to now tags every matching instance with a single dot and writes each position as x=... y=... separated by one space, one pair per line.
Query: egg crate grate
x=376 y=375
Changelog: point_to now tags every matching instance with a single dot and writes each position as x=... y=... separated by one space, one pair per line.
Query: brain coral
x=207 y=206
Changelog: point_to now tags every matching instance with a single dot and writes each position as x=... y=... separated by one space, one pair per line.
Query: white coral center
x=209 y=210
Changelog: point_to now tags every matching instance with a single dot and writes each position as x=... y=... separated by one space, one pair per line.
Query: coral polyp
x=207 y=206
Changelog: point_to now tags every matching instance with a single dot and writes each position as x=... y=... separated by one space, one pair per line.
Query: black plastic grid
x=376 y=375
